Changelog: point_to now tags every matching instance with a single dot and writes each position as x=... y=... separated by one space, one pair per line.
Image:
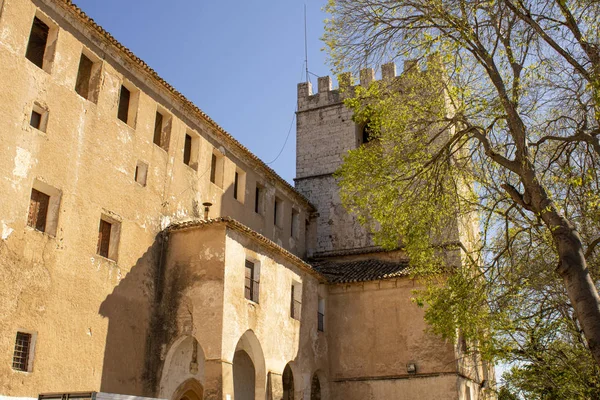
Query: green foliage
x=474 y=161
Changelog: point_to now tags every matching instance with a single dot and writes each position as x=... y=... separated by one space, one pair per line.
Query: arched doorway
x=249 y=371
x=244 y=381
x=288 y=383
x=189 y=390
x=315 y=388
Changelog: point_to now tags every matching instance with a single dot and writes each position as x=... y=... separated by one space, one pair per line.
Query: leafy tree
x=502 y=126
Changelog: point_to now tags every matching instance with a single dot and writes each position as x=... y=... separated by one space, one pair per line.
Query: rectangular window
x=187 y=150
x=162 y=129
x=213 y=168
x=141 y=173
x=295 y=221
x=88 y=78
x=124 y=100
x=109 y=231
x=21 y=355
x=104 y=238
x=36 y=119
x=38 y=40
x=321 y=315
x=278 y=212
x=251 y=286
x=259 y=195
x=158 y=126
x=236 y=181
x=296 y=301
x=84 y=75
x=38 y=210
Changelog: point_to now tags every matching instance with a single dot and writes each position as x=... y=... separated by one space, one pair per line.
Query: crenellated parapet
x=326 y=95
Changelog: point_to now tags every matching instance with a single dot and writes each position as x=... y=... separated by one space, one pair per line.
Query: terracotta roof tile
x=359 y=271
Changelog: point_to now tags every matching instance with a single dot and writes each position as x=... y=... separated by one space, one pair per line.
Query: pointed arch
x=288 y=383
x=249 y=359
x=184 y=362
x=189 y=390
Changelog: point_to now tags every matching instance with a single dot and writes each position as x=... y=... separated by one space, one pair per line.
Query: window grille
x=21 y=354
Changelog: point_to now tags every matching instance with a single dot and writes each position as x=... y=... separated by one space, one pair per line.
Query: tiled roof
x=359 y=271
x=234 y=224
x=78 y=13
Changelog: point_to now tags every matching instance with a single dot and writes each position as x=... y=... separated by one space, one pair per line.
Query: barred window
x=22 y=350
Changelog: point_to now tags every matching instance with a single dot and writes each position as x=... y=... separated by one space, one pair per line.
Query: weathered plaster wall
x=375 y=330
x=92 y=314
x=282 y=339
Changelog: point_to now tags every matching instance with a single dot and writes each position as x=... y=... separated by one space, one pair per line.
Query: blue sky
x=239 y=61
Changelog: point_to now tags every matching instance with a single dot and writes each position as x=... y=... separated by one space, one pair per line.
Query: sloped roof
x=359 y=271
x=238 y=226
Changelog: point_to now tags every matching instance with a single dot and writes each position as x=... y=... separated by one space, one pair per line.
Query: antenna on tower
x=305 y=45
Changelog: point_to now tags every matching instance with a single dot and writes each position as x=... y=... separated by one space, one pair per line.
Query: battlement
x=326 y=95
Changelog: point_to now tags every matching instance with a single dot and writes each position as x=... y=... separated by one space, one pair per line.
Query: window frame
x=296 y=300
x=94 y=78
x=52 y=211
x=32 y=339
x=47 y=57
x=114 y=235
x=252 y=282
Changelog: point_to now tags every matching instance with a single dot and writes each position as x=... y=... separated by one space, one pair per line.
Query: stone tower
x=325 y=133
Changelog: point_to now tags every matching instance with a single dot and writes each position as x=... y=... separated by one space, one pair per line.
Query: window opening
x=104 y=238
x=158 y=126
x=124 y=99
x=236 y=180
x=187 y=150
x=277 y=212
x=141 y=173
x=84 y=74
x=22 y=352
x=251 y=281
x=295 y=220
x=38 y=39
x=36 y=119
x=296 y=301
x=213 y=168
x=38 y=210
x=258 y=199
x=321 y=315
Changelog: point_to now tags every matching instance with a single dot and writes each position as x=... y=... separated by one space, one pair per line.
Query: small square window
x=38 y=118
x=141 y=173
x=23 y=352
x=109 y=232
x=251 y=285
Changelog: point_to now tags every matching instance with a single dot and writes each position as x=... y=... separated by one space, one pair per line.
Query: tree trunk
x=580 y=286
x=572 y=265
